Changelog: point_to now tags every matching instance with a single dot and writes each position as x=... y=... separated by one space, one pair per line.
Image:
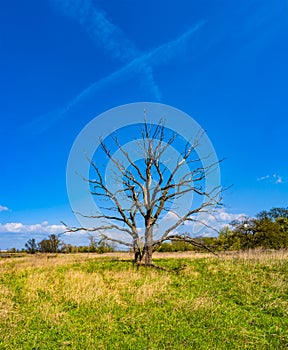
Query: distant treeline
x=268 y=230
x=54 y=244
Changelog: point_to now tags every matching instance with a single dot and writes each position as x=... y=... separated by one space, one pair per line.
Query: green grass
x=77 y=302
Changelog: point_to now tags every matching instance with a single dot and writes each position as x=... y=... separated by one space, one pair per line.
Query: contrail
x=98 y=27
x=103 y=32
x=119 y=47
x=159 y=55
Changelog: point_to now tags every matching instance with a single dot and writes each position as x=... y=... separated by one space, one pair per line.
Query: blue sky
x=64 y=62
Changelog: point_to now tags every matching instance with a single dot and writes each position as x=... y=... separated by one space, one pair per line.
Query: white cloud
x=222 y=216
x=171 y=216
x=206 y=224
x=43 y=228
x=263 y=178
x=219 y=217
x=3 y=208
x=276 y=179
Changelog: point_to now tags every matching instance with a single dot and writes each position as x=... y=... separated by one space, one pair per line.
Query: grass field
x=236 y=301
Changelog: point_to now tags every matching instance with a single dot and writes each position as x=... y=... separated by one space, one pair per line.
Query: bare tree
x=147 y=190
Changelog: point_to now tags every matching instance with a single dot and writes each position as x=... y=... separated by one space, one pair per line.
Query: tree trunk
x=148 y=254
x=145 y=256
x=138 y=256
x=148 y=248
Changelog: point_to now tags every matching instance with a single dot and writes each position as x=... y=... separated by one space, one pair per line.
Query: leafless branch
x=145 y=191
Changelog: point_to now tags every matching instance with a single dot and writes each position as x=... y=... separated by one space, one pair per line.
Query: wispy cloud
x=152 y=58
x=224 y=217
x=3 y=208
x=209 y=225
x=99 y=28
x=275 y=179
x=106 y=34
x=120 y=48
x=42 y=228
x=143 y=63
x=221 y=217
x=263 y=178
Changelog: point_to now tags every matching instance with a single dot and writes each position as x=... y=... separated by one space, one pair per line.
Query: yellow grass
x=55 y=290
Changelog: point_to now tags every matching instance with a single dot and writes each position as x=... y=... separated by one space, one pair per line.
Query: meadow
x=88 y=301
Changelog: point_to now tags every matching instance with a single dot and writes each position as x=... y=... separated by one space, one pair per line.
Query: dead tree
x=147 y=191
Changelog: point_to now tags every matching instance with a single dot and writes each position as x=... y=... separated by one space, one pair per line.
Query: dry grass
x=81 y=287
x=203 y=302
x=93 y=301
x=257 y=254
x=49 y=260
x=6 y=303
x=76 y=286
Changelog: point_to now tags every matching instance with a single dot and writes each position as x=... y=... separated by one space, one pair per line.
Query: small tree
x=50 y=245
x=147 y=189
x=268 y=230
x=93 y=244
x=31 y=246
x=55 y=243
